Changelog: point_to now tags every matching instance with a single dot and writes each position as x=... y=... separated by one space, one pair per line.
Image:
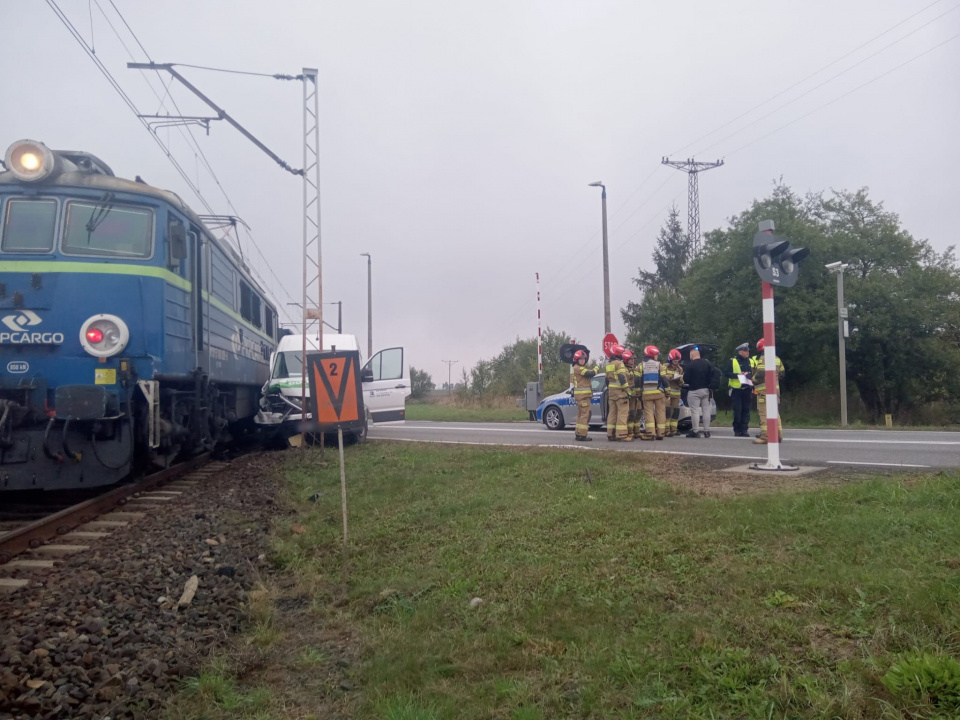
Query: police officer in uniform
x=580 y=377
x=617 y=404
x=740 y=393
x=673 y=372
x=759 y=383
x=654 y=401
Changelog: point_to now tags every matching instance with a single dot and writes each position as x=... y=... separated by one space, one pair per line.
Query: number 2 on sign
x=333 y=370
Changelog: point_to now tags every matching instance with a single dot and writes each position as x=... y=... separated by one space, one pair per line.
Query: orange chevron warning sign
x=335 y=392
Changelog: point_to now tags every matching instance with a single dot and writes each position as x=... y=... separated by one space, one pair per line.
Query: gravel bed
x=101 y=636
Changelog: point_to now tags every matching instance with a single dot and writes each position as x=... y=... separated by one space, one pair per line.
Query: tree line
x=903 y=298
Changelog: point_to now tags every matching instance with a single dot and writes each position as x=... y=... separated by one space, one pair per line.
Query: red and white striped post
x=770 y=373
x=539 y=342
x=770 y=379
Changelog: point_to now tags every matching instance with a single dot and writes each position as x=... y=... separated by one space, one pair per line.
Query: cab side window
x=250 y=305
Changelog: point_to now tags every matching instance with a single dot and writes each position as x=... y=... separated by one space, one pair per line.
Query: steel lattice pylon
x=312 y=265
x=692 y=168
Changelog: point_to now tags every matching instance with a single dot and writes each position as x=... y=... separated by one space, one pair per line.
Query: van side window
x=387 y=364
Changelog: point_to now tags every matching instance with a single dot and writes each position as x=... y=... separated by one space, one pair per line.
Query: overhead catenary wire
x=191 y=140
x=133 y=108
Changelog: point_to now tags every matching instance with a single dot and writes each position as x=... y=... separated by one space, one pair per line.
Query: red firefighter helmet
x=651 y=351
x=675 y=355
x=760 y=345
x=628 y=356
x=617 y=351
x=579 y=355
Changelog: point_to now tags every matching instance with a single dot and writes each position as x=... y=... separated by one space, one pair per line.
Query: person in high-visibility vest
x=634 y=406
x=673 y=372
x=760 y=388
x=617 y=404
x=740 y=393
x=654 y=402
x=580 y=378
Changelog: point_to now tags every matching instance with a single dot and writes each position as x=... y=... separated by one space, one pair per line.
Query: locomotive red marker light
x=94 y=335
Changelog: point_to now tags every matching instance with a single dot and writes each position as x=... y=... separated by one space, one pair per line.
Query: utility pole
x=606 y=261
x=692 y=168
x=369 y=305
x=842 y=331
x=450 y=364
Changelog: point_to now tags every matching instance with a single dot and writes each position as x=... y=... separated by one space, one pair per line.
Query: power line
x=828 y=80
x=808 y=77
x=849 y=92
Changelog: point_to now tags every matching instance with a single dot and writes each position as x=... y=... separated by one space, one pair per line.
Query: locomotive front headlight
x=29 y=160
x=104 y=335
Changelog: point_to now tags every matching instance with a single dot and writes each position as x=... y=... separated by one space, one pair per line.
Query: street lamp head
x=598 y=183
x=836 y=266
x=365 y=254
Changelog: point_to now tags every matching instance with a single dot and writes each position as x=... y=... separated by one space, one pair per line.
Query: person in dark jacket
x=698 y=375
x=740 y=392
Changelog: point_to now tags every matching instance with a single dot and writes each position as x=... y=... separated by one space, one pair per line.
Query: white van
x=385 y=380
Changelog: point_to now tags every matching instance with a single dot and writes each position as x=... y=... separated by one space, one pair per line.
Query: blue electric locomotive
x=129 y=334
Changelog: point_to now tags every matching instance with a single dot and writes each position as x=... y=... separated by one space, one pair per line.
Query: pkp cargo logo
x=21 y=320
x=19 y=324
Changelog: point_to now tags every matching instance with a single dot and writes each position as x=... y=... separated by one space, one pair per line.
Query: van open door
x=386 y=385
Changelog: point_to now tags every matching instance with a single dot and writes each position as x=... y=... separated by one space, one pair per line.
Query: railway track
x=40 y=543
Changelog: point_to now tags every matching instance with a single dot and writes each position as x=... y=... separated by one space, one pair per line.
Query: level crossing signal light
x=775 y=260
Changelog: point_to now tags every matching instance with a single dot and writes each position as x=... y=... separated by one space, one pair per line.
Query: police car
x=560 y=410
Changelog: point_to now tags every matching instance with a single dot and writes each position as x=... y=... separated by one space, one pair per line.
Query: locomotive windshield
x=28 y=225
x=107 y=230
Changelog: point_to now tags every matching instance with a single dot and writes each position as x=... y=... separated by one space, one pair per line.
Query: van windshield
x=288 y=364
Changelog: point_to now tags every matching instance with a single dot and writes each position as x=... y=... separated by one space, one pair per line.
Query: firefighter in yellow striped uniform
x=654 y=402
x=760 y=390
x=673 y=372
x=634 y=406
x=580 y=377
x=617 y=404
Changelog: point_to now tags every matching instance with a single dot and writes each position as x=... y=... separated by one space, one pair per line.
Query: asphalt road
x=879 y=448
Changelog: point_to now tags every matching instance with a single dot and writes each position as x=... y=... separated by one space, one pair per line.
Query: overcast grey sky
x=458 y=138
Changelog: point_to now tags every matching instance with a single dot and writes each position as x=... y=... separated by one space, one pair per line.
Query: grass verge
x=472 y=413
x=626 y=598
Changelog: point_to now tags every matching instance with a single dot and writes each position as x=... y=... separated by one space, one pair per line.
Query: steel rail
x=32 y=536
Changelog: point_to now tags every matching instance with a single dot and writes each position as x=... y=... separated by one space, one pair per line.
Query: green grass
x=215 y=695
x=626 y=598
x=452 y=413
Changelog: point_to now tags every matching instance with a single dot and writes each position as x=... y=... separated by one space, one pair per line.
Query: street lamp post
x=842 y=324
x=606 y=261
x=369 y=304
